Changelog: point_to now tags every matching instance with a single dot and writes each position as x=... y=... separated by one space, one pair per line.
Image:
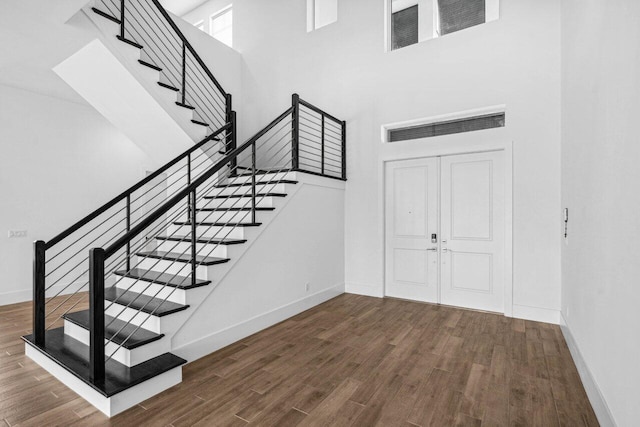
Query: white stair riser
x=154 y=290
x=207 y=249
x=181 y=296
x=260 y=189
x=171 y=267
x=205 y=231
x=224 y=217
x=167 y=324
x=262 y=202
x=291 y=176
x=126 y=314
x=126 y=357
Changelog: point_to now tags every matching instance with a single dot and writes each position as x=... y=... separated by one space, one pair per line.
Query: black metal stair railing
x=61 y=264
x=176 y=194
x=320 y=141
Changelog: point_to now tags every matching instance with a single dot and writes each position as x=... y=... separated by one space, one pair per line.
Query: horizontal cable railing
x=189 y=205
x=320 y=141
x=188 y=208
x=61 y=264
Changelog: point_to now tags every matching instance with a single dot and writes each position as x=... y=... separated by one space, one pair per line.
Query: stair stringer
x=106 y=73
x=266 y=284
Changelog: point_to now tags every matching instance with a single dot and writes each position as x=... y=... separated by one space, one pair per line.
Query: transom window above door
x=412 y=21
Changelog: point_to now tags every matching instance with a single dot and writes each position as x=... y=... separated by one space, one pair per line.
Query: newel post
x=96 y=315
x=39 y=292
x=295 y=132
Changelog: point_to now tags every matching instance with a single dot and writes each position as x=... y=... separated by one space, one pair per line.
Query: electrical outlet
x=15 y=234
x=307 y=287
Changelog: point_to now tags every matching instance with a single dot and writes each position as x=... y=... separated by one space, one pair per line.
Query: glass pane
x=404 y=27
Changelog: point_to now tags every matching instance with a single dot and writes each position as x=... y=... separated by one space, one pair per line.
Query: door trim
x=453 y=148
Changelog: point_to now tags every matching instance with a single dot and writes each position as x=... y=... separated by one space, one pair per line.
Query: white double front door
x=445 y=230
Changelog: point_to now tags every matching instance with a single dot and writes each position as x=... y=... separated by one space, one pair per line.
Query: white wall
x=343 y=68
x=303 y=243
x=60 y=161
x=600 y=176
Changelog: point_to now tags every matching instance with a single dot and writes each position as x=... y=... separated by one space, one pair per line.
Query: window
x=404 y=27
x=412 y=21
x=321 y=13
x=222 y=26
x=456 y=15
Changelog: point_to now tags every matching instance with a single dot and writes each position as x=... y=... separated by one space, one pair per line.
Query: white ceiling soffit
x=181 y=7
x=398 y=5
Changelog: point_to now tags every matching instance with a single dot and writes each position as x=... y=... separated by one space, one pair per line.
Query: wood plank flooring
x=354 y=360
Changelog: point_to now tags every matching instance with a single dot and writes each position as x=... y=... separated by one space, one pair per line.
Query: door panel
x=411 y=217
x=472 y=209
x=471 y=200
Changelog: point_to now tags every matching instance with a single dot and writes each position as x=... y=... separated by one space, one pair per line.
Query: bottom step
x=68 y=360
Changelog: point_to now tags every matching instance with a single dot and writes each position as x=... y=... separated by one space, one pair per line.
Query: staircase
x=112 y=290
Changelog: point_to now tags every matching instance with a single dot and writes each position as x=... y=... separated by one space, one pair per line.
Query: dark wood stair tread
x=73 y=356
x=106 y=15
x=183 y=257
x=165 y=279
x=130 y=42
x=198 y=122
x=168 y=86
x=140 y=302
x=180 y=104
x=149 y=64
x=239 y=196
x=116 y=330
x=203 y=240
x=221 y=224
x=248 y=184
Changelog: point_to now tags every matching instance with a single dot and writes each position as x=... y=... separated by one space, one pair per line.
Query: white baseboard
x=536 y=314
x=208 y=344
x=363 y=289
x=598 y=402
x=25 y=295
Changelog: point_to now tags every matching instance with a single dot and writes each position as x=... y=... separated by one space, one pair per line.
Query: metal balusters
x=253 y=183
x=184 y=73
x=194 y=237
x=122 y=19
x=322 y=146
x=189 y=207
x=128 y=229
x=295 y=132
x=39 y=292
x=344 y=150
x=96 y=316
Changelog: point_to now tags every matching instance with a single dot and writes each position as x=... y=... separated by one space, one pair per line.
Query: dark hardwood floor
x=352 y=361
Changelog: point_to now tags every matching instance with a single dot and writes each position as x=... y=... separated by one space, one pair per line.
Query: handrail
x=318 y=110
x=87 y=219
x=180 y=196
x=166 y=15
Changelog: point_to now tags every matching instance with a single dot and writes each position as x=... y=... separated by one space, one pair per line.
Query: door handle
x=432 y=249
